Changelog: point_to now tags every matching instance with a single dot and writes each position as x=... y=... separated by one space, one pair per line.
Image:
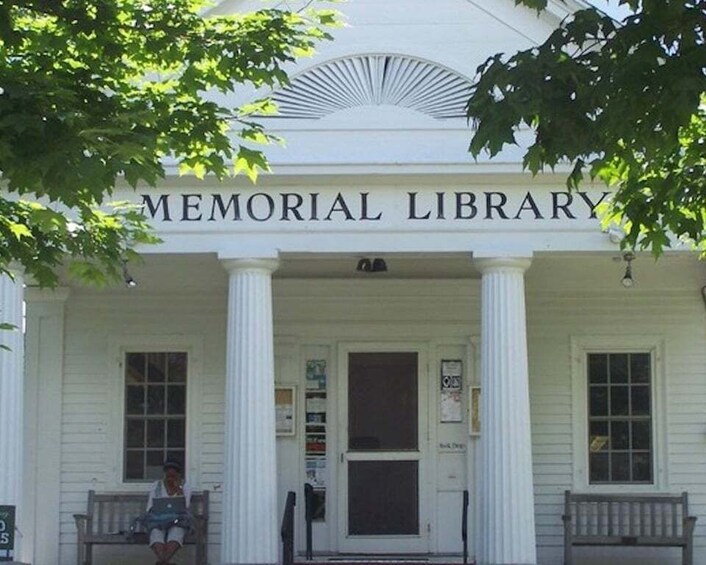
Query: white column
x=250 y=534
x=505 y=494
x=11 y=397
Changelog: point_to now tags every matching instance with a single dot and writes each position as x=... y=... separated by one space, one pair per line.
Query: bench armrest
x=689 y=524
x=81 y=520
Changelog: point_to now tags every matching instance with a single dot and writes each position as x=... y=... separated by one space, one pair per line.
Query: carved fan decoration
x=375 y=80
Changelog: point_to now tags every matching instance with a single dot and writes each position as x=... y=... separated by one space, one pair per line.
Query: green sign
x=7 y=528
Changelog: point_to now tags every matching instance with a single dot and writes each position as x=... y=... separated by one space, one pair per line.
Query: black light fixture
x=703 y=294
x=377 y=265
x=364 y=266
x=130 y=282
x=628 y=281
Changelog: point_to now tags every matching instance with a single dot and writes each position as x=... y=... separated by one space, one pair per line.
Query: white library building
x=445 y=360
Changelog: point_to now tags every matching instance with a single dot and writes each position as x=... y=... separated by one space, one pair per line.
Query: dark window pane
x=135 y=433
x=619 y=434
x=598 y=436
x=641 y=435
x=156 y=367
x=135 y=400
x=155 y=433
x=640 y=400
x=619 y=401
x=135 y=368
x=176 y=433
x=640 y=368
x=641 y=467
x=598 y=401
x=176 y=399
x=597 y=368
x=155 y=399
x=176 y=367
x=620 y=467
x=618 y=367
x=598 y=464
x=383 y=498
x=383 y=404
x=155 y=461
x=134 y=465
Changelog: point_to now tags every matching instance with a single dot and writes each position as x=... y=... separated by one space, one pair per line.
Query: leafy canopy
x=92 y=91
x=622 y=102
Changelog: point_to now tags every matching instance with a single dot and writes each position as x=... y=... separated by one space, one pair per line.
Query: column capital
x=488 y=264
x=250 y=264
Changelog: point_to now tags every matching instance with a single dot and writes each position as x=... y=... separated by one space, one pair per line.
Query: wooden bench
x=632 y=520
x=109 y=516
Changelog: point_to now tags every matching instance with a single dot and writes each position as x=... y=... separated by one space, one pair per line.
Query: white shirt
x=158 y=490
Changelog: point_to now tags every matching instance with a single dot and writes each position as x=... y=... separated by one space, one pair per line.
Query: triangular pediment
x=392 y=86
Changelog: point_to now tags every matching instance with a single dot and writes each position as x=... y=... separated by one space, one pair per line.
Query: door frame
x=420 y=543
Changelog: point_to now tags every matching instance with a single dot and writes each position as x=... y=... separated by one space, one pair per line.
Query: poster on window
x=284 y=410
x=451 y=404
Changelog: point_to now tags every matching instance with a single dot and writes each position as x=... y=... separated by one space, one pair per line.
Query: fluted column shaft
x=505 y=495
x=11 y=397
x=250 y=469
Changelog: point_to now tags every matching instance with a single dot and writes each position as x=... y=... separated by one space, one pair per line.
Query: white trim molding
x=611 y=343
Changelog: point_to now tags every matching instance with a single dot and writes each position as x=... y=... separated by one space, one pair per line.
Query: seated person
x=166 y=541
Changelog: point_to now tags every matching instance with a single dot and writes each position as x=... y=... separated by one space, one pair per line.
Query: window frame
x=580 y=348
x=150 y=343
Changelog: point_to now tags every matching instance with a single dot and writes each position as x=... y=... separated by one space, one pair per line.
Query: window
x=155 y=413
x=620 y=442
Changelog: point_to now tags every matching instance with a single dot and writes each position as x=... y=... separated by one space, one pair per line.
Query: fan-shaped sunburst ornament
x=374 y=80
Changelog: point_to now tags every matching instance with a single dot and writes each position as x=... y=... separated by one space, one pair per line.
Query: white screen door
x=384 y=431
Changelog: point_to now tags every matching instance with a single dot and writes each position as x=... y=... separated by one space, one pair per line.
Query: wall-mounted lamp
x=628 y=281
x=130 y=282
x=703 y=294
x=376 y=265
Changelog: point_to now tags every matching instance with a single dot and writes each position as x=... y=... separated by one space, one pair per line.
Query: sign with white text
x=7 y=529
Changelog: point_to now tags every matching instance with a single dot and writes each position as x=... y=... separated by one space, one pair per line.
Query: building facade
x=382 y=318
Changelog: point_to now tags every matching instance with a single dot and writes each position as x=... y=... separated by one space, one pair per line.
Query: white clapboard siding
x=586 y=300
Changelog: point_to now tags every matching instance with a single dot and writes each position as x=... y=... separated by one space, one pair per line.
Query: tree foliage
x=622 y=102
x=92 y=91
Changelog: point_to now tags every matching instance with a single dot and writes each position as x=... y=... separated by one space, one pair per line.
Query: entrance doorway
x=384 y=438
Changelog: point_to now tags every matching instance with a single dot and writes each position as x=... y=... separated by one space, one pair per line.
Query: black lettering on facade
x=556 y=205
x=593 y=205
x=288 y=207
x=233 y=201
x=314 y=217
x=413 y=208
x=440 y=205
x=152 y=208
x=364 y=208
x=270 y=207
x=339 y=205
x=187 y=206
x=466 y=201
x=529 y=204
x=497 y=206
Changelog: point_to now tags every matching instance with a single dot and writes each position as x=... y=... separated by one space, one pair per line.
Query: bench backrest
x=615 y=515
x=112 y=512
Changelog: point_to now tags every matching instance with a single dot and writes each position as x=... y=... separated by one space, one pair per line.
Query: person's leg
x=175 y=539
x=158 y=544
